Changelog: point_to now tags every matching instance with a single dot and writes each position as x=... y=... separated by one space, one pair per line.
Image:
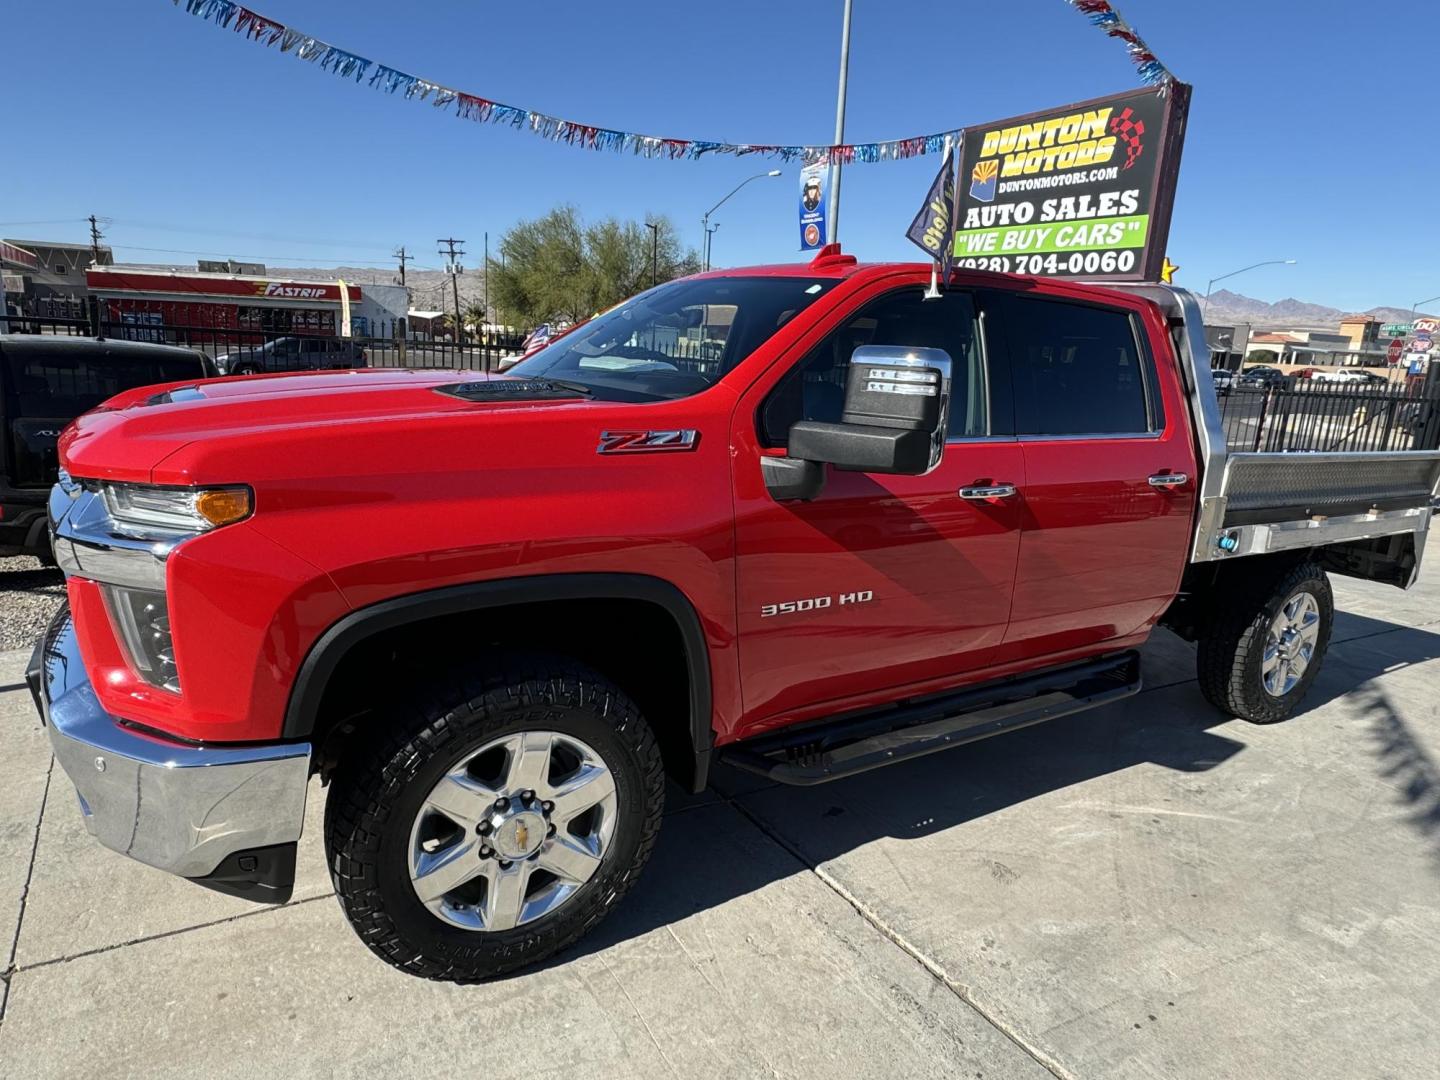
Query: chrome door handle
x=1168 y=480
x=994 y=491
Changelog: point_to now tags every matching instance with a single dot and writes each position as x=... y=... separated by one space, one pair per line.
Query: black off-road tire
x=246 y=369
x=377 y=790
x=1231 y=651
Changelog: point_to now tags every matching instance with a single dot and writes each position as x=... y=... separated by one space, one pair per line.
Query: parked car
x=1339 y=375
x=294 y=354
x=47 y=381
x=496 y=612
x=1224 y=380
x=1261 y=377
x=539 y=338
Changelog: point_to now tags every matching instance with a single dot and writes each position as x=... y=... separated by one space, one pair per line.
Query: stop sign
x=1392 y=354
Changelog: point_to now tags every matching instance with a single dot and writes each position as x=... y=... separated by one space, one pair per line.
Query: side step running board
x=858 y=742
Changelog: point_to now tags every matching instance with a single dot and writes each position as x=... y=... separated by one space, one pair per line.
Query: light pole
x=705 y=218
x=710 y=230
x=832 y=220
x=1268 y=262
x=1417 y=303
x=654 y=252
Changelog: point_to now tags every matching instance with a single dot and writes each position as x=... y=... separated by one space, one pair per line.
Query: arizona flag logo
x=983 y=179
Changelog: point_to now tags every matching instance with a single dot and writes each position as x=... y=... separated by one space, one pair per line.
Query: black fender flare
x=330 y=648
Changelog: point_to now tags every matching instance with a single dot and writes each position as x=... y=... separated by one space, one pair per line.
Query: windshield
x=674 y=340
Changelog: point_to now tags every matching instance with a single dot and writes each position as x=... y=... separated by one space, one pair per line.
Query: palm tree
x=475 y=319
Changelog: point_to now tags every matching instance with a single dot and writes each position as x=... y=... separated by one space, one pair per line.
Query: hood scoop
x=180 y=393
x=511 y=390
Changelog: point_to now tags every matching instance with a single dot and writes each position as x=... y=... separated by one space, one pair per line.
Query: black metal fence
x=243 y=350
x=1328 y=416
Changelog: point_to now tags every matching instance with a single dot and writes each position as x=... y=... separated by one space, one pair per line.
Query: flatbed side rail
x=1253 y=503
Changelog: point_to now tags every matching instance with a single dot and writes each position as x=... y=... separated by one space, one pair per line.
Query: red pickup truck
x=807 y=520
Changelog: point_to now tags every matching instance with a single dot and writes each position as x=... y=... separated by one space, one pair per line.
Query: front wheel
x=1259 y=656
x=495 y=828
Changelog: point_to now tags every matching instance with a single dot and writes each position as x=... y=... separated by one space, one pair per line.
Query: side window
x=815 y=388
x=1078 y=370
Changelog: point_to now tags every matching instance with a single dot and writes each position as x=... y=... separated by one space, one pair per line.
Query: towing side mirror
x=897 y=402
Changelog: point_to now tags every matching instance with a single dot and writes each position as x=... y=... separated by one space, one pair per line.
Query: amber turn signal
x=223 y=505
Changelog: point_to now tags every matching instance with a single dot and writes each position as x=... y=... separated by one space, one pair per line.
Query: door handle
x=993 y=491
x=1168 y=480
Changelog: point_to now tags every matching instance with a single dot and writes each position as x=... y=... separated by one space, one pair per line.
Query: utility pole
x=454 y=269
x=832 y=221
x=95 y=237
x=404 y=258
x=485 y=296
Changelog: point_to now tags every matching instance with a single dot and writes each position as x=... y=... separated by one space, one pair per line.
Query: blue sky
x=1312 y=133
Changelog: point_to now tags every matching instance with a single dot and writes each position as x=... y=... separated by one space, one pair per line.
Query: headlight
x=177 y=509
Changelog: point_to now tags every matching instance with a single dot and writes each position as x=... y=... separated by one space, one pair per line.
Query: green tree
x=473 y=316
x=556 y=267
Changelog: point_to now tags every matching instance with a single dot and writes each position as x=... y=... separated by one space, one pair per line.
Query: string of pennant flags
x=226 y=14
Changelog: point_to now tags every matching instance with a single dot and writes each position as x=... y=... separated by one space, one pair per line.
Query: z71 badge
x=646 y=442
x=815 y=603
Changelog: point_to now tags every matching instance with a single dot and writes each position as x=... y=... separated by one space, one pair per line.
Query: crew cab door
x=1110 y=469
x=882 y=585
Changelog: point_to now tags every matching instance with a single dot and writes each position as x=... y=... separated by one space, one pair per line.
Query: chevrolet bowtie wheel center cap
x=518 y=835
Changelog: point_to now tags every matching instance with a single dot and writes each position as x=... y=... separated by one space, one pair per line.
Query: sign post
x=1085 y=190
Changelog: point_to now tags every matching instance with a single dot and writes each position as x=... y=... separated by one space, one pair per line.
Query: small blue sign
x=813 y=199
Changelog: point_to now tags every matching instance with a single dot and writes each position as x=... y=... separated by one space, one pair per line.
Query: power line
x=49 y=221
x=193 y=231
x=311 y=260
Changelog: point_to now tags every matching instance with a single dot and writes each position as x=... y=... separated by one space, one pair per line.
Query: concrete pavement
x=1147 y=890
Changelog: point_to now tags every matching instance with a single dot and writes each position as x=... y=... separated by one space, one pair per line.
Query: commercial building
x=46 y=278
x=1362 y=330
x=1315 y=347
x=237 y=304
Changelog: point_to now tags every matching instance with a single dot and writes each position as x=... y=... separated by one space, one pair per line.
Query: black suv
x=45 y=382
x=293 y=354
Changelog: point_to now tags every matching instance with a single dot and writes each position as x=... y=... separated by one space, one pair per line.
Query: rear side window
x=1078 y=370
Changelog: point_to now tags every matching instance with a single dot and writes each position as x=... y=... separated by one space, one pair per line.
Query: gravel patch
x=30 y=593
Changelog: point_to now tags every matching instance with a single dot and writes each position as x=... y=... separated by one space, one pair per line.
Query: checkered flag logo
x=1128 y=130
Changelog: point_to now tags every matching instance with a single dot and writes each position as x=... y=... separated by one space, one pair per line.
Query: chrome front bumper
x=226 y=816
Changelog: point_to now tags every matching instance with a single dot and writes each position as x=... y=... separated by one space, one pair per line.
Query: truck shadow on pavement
x=711 y=852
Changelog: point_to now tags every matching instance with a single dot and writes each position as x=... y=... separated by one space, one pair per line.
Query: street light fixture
x=1268 y=262
x=1417 y=303
x=705 y=219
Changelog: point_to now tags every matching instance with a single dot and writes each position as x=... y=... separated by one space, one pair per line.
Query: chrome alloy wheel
x=1290 y=644
x=512 y=831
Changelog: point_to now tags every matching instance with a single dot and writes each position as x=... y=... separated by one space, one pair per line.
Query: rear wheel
x=1261 y=653
x=501 y=821
x=246 y=369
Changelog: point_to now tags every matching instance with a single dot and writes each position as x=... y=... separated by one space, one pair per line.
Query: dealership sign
x=1081 y=191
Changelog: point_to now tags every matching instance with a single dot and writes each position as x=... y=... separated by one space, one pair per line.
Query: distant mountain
x=430 y=291
x=1227 y=307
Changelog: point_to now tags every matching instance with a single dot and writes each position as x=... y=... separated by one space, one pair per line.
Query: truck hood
x=129 y=436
